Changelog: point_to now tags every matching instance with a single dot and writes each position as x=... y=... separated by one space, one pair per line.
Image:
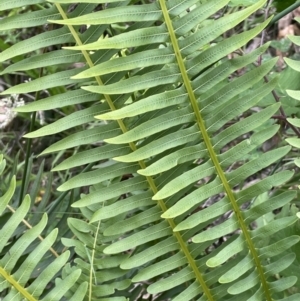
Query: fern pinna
x=163 y=117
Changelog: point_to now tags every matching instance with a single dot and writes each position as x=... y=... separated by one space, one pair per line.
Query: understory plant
x=171 y=192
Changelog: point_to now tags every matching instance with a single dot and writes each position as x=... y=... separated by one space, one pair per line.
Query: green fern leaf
x=15 y=277
x=170 y=117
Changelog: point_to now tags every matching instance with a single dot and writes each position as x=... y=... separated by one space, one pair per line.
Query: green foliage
x=170 y=136
x=15 y=272
x=294 y=141
x=281 y=5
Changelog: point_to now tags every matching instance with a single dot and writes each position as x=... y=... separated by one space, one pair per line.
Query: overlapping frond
x=103 y=273
x=169 y=169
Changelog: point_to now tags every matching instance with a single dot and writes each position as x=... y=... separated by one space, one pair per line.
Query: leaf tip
x=76 y=205
x=44 y=152
x=122 y=159
x=211 y=263
x=28 y=135
x=55 y=169
x=165 y=215
x=105 y=116
x=77 y=76
x=142 y=172
x=94 y=219
x=61 y=188
x=223 y=280
x=156 y=197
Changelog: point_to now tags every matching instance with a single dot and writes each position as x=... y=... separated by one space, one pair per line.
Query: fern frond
x=201 y=111
x=169 y=119
x=102 y=272
x=16 y=276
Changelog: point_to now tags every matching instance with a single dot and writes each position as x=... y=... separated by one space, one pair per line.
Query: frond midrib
x=92 y=261
x=142 y=164
x=16 y=285
x=212 y=154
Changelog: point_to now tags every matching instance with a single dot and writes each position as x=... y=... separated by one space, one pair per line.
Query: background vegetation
x=67 y=177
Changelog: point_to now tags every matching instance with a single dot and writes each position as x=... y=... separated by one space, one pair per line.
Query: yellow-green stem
x=142 y=164
x=212 y=153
